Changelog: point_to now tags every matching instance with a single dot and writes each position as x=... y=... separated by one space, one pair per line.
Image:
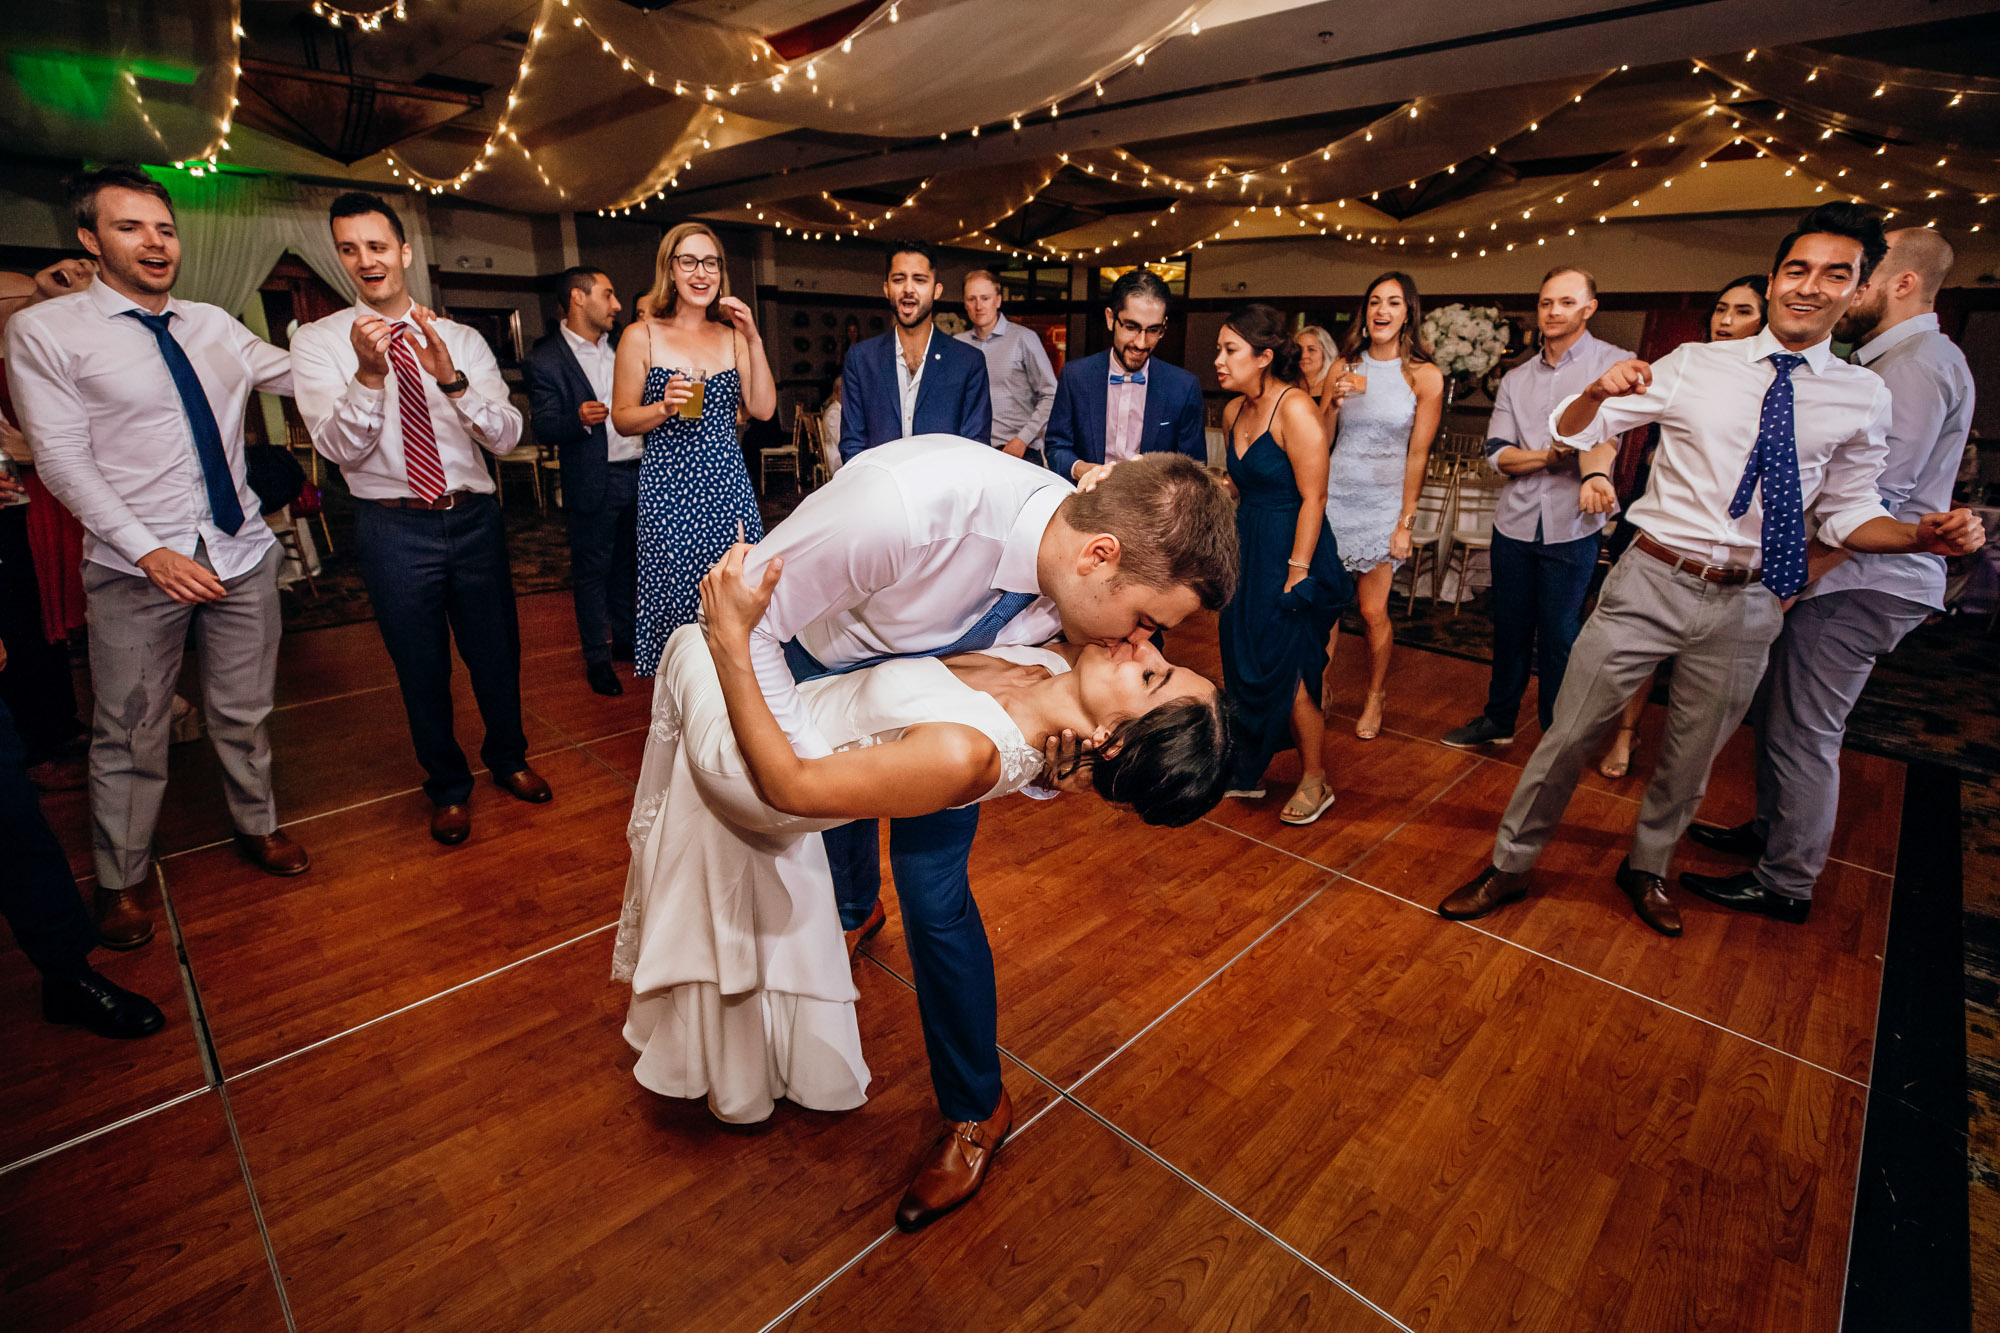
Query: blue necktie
x=1136 y=377
x=980 y=637
x=223 y=506
x=1774 y=462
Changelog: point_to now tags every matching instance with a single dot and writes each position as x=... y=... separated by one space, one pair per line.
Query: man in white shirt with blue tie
x=404 y=403
x=134 y=403
x=1755 y=434
x=1857 y=607
x=933 y=545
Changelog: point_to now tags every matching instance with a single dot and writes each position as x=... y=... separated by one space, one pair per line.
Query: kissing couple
x=879 y=656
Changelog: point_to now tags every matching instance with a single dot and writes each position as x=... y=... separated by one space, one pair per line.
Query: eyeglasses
x=706 y=263
x=1142 y=330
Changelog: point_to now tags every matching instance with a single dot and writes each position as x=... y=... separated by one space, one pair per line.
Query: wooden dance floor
x=1258 y=1083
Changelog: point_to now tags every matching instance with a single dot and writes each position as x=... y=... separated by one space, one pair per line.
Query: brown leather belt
x=449 y=500
x=1724 y=574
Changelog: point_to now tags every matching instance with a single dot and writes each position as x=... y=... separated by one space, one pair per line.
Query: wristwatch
x=452 y=386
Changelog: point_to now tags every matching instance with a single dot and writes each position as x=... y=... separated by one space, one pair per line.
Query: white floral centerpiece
x=1468 y=341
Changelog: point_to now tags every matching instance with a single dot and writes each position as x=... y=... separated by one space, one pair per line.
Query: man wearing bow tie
x=1120 y=403
x=913 y=379
x=134 y=401
x=1755 y=435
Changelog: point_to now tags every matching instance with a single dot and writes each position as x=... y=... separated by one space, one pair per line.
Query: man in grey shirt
x=1544 y=545
x=1858 y=606
x=1017 y=369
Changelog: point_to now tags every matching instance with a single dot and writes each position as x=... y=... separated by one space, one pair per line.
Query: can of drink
x=10 y=469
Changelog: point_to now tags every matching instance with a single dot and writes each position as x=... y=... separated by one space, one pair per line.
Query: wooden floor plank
x=487 y=1162
x=146 y=1227
x=1458 y=1128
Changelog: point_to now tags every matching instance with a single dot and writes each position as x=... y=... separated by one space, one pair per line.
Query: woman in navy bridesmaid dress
x=695 y=498
x=1292 y=586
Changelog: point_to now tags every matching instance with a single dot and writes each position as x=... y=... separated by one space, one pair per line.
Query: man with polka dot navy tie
x=1757 y=437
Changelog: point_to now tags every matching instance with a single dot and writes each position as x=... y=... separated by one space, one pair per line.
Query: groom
x=936 y=545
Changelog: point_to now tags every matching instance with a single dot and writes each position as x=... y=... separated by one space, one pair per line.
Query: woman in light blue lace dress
x=1388 y=399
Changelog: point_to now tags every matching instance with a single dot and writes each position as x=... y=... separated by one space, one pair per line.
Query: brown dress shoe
x=866 y=931
x=523 y=785
x=1649 y=899
x=451 y=824
x=121 y=922
x=1484 y=894
x=956 y=1167
x=273 y=853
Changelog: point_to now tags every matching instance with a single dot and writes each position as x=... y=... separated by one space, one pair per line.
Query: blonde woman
x=1388 y=397
x=684 y=369
x=1319 y=368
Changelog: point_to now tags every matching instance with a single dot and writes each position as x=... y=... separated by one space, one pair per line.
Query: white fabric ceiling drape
x=235 y=228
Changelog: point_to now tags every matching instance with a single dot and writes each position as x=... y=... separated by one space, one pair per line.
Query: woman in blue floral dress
x=1389 y=396
x=694 y=490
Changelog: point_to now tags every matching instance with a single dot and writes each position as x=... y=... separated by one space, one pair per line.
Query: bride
x=741 y=986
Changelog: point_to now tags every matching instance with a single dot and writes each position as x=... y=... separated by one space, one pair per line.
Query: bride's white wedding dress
x=741 y=988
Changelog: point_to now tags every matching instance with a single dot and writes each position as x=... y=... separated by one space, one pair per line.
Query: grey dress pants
x=1719 y=636
x=137 y=634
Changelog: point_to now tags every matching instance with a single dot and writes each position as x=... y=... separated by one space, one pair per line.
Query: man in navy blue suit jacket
x=568 y=378
x=1122 y=403
x=912 y=380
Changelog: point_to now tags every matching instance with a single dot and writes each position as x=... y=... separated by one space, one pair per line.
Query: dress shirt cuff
x=132 y=540
x=1837 y=527
x=1495 y=443
x=1589 y=436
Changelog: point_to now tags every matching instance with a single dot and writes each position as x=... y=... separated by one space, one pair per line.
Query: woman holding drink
x=683 y=368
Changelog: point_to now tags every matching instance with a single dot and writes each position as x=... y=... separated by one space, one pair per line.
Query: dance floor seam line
x=419 y=1003
x=257 y=1212
x=390 y=685
x=56 y=1148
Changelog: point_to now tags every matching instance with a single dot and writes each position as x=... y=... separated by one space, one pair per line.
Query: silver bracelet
x=1298 y=564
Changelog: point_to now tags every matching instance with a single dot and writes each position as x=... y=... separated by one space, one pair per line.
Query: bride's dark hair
x=1170 y=765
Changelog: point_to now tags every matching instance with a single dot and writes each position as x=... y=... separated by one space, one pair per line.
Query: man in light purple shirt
x=1544 y=544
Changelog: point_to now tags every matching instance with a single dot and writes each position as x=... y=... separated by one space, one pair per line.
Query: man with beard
x=1120 y=403
x=1755 y=434
x=1857 y=607
x=913 y=379
x=134 y=402
x=404 y=402
x=1544 y=542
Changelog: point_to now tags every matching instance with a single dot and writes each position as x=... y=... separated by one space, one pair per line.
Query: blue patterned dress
x=693 y=487
x=1371 y=450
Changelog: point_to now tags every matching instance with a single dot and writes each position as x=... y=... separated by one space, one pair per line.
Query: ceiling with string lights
x=1121 y=133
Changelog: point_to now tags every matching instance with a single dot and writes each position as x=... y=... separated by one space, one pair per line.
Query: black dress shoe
x=1739 y=841
x=1743 y=893
x=602 y=678
x=621 y=652
x=89 y=1000
x=1649 y=899
x=1484 y=894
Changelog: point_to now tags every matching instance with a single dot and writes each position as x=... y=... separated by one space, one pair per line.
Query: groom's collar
x=1020 y=555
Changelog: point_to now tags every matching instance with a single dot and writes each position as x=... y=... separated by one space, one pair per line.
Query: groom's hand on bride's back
x=1062 y=768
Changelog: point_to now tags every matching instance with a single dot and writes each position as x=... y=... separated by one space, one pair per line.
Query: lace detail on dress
x=1018 y=765
x=625 y=948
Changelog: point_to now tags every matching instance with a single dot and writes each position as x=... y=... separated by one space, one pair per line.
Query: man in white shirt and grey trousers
x=1754 y=435
x=1857 y=607
x=134 y=403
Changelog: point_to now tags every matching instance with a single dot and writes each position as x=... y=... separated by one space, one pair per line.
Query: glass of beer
x=698 y=382
x=1353 y=379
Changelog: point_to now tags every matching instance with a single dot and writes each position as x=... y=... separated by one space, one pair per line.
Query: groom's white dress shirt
x=907 y=546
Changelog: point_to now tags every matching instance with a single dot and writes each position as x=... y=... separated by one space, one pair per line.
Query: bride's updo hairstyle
x=1170 y=765
x=1266 y=329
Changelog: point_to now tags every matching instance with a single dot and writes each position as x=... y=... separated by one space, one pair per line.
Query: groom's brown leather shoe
x=523 y=784
x=451 y=824
x=1484 y=894
x=121 y=922
x=956 y=1167
x=866 y=931
x=273 y=853
x=1649 y=899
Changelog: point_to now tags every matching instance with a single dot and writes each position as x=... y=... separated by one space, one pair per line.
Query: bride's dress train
x=741 y=988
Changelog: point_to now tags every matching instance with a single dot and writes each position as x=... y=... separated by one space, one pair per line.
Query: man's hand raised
x=1622 y=380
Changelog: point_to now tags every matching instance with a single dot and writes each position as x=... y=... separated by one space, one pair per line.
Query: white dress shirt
x=597 y=360
x=1708 y=398
x=909 y=382
x=1124 y=414
x=1930 y=416
x=1542 y=506
x=901 y=553
x=110 y=436
x=361 y=428
x=1020 y=379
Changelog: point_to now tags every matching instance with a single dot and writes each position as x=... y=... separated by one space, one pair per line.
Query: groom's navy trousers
x=950 y=960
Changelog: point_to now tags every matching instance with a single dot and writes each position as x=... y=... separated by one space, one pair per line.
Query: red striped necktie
x=420 y=451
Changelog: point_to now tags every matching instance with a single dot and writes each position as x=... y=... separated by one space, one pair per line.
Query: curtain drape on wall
x=234 y=228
